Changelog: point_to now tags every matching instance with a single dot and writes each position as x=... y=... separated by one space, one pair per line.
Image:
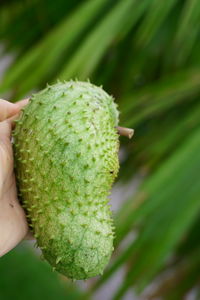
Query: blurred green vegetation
x=24 y=276
x=147 y=54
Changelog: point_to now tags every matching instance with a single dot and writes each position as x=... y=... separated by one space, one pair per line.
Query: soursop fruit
x=66 y=159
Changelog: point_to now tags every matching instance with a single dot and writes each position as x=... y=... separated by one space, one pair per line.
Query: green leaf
x=187 y=29
x=169 y=213
x=24 y=276
x=162 y=140
x=86 y=58
x=181 y=279
x=41 y=61
x=170 y=206
x=159 y=97
x=156 y=15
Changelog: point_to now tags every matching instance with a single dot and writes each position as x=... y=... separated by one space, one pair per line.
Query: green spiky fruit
x=66 y=159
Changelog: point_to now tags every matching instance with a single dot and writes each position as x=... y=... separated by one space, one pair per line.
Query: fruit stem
x=128 y=132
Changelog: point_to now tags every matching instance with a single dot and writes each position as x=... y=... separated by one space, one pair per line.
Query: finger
x=12 y=120
x=22 y=103
x=7 y=126
x=5 y=130
x=7 y=109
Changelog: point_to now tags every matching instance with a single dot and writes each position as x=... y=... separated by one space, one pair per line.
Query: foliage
x=31 y=278
x=145 y=53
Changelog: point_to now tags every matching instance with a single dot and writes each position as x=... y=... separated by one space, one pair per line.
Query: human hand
x=13 y=224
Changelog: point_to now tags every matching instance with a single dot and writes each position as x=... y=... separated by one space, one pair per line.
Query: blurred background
x=146 y=53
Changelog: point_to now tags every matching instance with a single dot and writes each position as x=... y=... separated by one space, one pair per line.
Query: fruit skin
x=66 y=159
